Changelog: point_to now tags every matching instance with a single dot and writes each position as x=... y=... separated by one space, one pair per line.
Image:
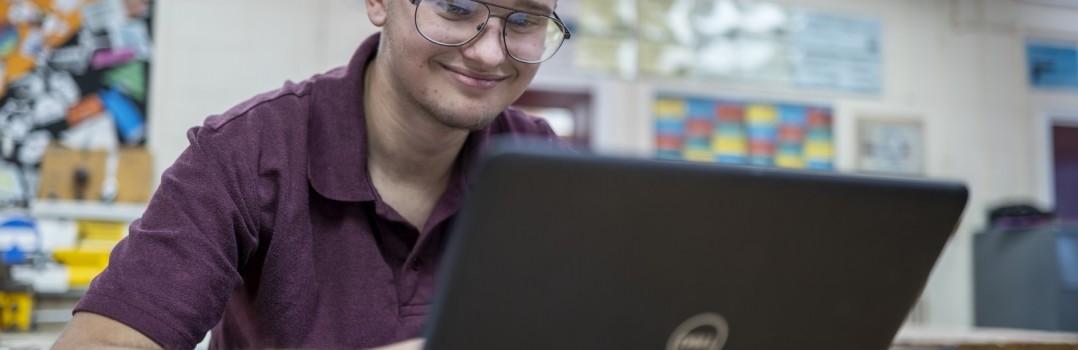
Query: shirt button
x=417 y=264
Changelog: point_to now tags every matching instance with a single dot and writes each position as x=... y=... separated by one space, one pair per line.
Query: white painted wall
x=214 y=54
x=958 y=65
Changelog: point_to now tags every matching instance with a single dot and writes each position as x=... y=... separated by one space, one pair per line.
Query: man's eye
x=522 y=21
x=456 y=9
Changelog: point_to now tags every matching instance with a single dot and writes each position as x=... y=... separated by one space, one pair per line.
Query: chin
x=471 y=117
x=469 y=123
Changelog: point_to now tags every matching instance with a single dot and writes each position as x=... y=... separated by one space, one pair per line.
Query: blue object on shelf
x=21 y=239
x=129 y=119
x=14 y=256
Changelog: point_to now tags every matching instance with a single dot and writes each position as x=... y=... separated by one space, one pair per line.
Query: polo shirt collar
x=337 y=131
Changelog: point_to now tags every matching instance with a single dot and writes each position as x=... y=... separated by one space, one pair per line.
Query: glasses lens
x=450 y=22
x=531 y=38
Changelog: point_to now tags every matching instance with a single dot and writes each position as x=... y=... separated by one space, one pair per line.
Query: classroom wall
x=214 y=54
x=958 y=65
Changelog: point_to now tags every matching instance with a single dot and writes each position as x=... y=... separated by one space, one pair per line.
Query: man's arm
x=92 y=331
x=88 y=330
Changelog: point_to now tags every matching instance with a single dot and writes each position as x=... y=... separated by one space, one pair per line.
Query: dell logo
x=706 y=331
x=701 y=338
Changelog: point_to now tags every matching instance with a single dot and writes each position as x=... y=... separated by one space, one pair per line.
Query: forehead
x=540 y=6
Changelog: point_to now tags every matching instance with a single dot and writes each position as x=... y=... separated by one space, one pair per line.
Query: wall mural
x=75 y=72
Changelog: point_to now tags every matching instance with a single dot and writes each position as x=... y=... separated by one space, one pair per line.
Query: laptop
x=573 y=252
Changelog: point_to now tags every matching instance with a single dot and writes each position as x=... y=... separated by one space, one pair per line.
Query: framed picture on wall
x=891 y=146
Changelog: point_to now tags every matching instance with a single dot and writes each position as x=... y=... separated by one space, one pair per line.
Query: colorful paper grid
x=733 y=131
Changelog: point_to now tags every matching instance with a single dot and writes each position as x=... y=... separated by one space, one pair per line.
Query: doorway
x=1065 y=170
x=568 y=113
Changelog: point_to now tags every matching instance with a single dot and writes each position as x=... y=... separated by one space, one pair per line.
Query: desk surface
x=983 y=338
x=910 y=338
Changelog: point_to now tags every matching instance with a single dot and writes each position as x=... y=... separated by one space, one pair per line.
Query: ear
x=377 y=11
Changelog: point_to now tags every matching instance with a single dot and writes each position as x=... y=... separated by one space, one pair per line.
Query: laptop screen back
x=575 y=252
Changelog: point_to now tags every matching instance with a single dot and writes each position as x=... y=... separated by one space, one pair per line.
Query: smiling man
x=315 y=216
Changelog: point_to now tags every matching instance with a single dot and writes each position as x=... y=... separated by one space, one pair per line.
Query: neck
x=404 y=143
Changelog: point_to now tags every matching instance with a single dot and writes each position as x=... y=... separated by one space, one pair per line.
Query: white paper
x=72 y=58
x=97 y=133
x=65 y=6
x=7 y=146
x=54 y=25
x=33 y=147
x=92 y=41
x=10 y=186
x=103 y=14
x=135 y=35
x=30 y=178
x=23 y=12
x=33 y=45
x=29 y=86
x=16 y=128
x=48 y=110
x=63 y=87
x=57 y=234
x=50 y=278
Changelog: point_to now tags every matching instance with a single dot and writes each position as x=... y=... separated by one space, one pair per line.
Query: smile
x=475 y=80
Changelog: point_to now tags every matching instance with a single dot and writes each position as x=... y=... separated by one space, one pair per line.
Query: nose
x=487 y=49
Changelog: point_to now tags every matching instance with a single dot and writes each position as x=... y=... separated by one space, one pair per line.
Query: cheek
x=421 y=77
x=525 y=74
x=526 y=71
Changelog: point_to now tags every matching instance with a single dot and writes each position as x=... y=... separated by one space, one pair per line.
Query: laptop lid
x=574 y=252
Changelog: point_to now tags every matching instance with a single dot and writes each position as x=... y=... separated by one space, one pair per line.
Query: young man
x=315 y=216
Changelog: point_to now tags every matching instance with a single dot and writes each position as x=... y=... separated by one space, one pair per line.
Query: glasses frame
x=554 y=17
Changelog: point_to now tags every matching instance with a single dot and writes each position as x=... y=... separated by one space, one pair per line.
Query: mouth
x=475 y=80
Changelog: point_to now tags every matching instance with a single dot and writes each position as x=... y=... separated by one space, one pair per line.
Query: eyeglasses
x=528 y=37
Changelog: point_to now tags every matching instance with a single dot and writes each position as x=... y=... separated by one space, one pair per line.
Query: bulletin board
x=747 y=42
x=744 y=131
x=74 y=72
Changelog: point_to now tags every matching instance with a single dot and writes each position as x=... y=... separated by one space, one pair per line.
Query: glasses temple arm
x=568 y=34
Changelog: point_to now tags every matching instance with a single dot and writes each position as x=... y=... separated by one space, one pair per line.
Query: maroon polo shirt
x=267 y=229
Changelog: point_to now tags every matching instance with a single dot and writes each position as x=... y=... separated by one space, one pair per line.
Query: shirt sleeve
x=546 y=132
x=171 y=277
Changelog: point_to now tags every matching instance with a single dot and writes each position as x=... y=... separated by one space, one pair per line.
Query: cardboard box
x=73 y=174
x=59 y=168
x=134 y=175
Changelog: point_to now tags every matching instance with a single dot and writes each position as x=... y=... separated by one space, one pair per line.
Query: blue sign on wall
x=1052 y=65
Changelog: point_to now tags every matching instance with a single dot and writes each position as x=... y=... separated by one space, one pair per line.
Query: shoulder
x=285 y=103
x=279 y=115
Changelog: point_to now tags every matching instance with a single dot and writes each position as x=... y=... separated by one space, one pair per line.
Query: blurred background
x=98 y=94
